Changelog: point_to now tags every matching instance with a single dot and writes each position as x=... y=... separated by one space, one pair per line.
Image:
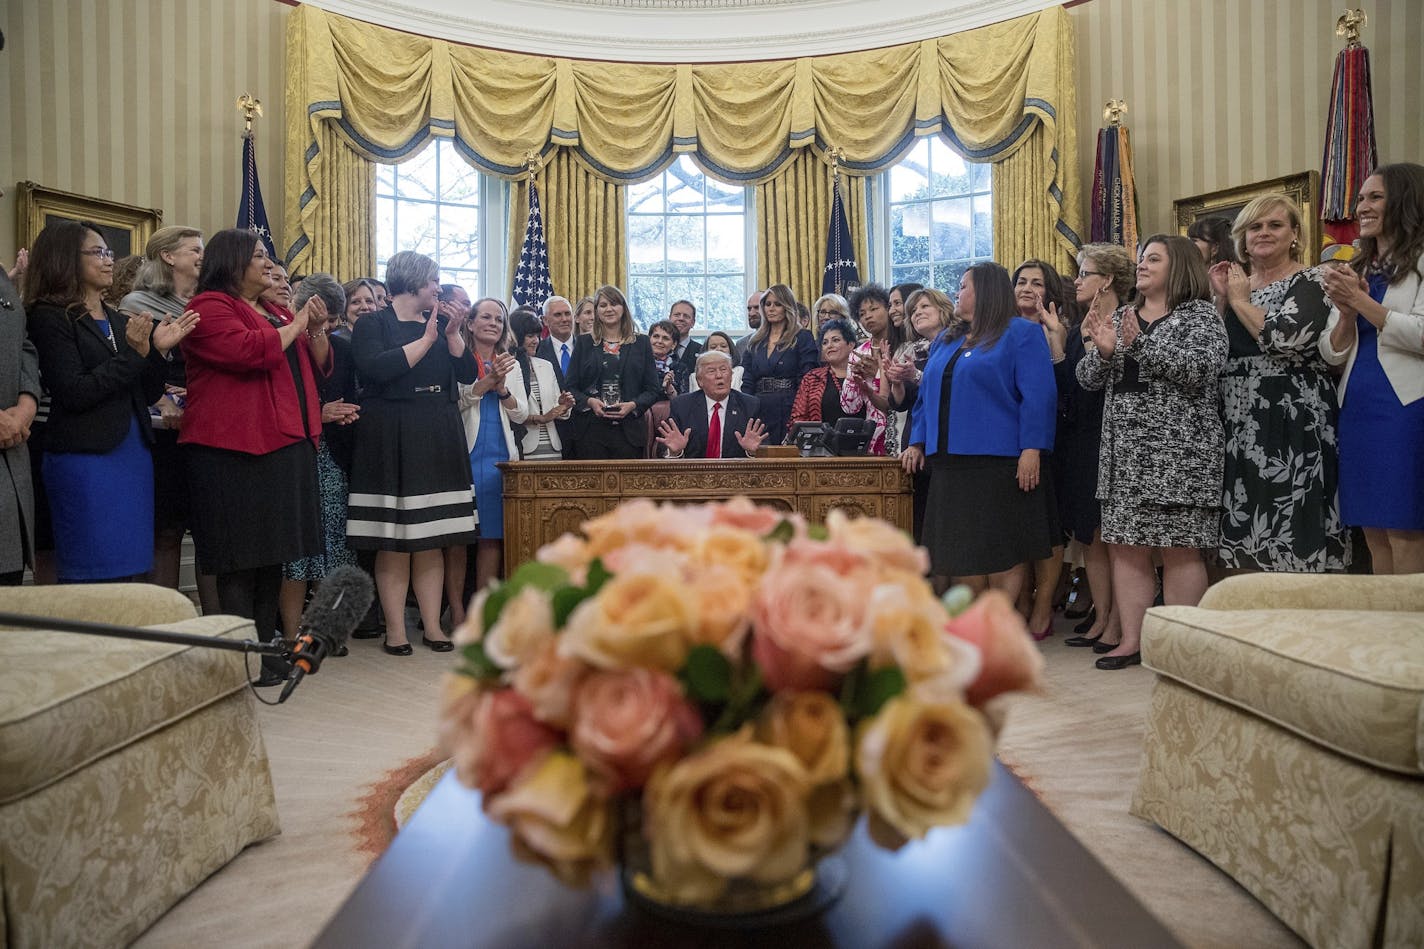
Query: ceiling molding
x=683 y=31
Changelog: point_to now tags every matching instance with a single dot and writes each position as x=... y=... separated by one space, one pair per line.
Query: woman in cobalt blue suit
x=990 y=504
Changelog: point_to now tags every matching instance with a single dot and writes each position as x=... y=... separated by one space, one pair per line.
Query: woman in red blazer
x=250 y=431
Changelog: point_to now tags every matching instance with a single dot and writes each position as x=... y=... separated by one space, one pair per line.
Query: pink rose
x=627 y=722
x=1009 y=660
x=549 y=681
x=493 y=738
x=809 y=617
x=741 y=512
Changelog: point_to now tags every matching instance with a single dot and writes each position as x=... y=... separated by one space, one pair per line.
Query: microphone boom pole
x=49 y=623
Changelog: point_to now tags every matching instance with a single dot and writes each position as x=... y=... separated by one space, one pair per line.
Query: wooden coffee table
x=1012 y=877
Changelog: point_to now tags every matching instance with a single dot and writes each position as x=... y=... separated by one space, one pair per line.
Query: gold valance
x=989 y=91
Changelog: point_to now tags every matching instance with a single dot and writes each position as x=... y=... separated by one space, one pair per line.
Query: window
x=939 y=218
x=431 y=204
x=687 y=239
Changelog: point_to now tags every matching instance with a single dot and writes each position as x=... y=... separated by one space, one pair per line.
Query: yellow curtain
x=584 y=226
x=990 y=91
x=793 y=212
x=339 y=218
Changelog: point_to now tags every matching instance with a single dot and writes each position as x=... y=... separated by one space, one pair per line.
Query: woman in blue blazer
x=990 y=504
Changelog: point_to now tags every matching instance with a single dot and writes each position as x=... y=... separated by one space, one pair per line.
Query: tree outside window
x=940 y=216
x=431 y=205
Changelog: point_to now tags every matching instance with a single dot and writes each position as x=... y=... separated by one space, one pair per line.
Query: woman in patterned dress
x=869 y=391
x=1159 y=467
x=1377 y=332
x=1280 y=502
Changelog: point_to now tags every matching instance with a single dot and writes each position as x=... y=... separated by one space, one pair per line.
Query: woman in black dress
x=777 y=358
x=411 y=492
x=613 y=382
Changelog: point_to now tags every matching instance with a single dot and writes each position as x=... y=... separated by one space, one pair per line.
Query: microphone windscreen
x=338 y=605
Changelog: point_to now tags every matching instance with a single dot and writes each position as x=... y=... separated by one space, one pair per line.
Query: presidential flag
x=1350 y=149
x=1114 y=211
x=532 y=285
x=841 y=274
x=251 y=212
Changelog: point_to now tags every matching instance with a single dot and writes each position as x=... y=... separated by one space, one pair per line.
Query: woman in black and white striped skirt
x=411 y=493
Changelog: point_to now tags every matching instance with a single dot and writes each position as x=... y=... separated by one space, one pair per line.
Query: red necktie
x=714 y=432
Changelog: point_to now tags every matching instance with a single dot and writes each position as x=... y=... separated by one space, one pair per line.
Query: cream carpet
x=354 y=737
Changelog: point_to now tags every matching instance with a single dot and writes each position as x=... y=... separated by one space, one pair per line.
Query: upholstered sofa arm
x=1299 y=591
x=124 y=604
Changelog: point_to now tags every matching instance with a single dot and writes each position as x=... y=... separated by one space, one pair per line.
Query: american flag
x=251 y=212
x=532 y=285
x=841 y=273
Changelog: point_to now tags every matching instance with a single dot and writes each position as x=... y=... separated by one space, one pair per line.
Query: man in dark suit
x=753 y=322
x=684 y=316
x=558 y=346
x=688 y=433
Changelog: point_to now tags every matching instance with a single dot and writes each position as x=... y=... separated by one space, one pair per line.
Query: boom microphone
x=337 y=606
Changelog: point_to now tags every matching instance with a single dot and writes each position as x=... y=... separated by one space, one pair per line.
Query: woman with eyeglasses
x=818 y=399
x=103 y=369
x=869 y=391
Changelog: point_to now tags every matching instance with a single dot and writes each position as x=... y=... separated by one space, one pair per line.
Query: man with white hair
x=718 y=421
x=558 y=346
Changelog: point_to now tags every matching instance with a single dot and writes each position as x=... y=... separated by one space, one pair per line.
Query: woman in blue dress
x=102 y=369
x=778 y=356
x=488 y=406
x=1377 y=332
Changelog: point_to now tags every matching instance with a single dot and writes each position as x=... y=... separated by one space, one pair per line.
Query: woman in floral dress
x=1280 y=502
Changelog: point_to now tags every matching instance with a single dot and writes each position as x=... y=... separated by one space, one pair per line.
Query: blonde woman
x=613 y=382
x=1281 y=502
x=777 y=358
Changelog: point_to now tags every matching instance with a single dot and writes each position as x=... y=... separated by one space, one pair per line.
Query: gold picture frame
x=126 y=228
x=1302 y=188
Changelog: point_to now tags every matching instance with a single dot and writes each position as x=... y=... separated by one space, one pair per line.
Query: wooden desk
x=1011 y=877
x=544 y=499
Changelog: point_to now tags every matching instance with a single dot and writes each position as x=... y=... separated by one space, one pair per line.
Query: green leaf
x=818 y=532
x=851 y=686
x=494 y=605
x=957 y=599
x=541 y=576
x=477 y=664
x=565 y=601
x=782 y=532
x=598 y=575
x=881 y=686
x=707 y=674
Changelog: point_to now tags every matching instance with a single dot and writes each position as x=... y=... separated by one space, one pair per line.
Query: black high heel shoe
x=437 y=645
x=404 y=649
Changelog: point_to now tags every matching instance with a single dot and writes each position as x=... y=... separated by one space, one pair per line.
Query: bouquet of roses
x=756 y=680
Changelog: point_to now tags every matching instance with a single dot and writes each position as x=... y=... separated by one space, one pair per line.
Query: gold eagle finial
x=1350 y=24
x=251 y=108
x=1114 y=112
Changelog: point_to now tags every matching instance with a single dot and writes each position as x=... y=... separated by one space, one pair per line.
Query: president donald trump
x=716 y=422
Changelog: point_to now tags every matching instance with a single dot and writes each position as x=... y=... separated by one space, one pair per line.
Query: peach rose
x=809 y=621
x=556 y=819
x=888 y=547
x=811 y=726
x=735 y=809
x=626 y=722
x=1010 y=661
x=911 y=634
x=570 y=552
x=549 y=680
x=921 y=765
x=493 y=738
x=638 y=618
x=742 y=513
x=634 y=522
x=721 y=597
x=525 y=624
x=742 y=550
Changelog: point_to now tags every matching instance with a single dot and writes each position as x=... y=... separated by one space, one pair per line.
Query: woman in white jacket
x=488 y=406
x=1377 y=332
x=547 y=405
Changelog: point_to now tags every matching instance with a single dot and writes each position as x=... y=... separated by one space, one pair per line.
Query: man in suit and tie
x=753 y=322
x=684 y=316
x=716 y=422
x=558 y=348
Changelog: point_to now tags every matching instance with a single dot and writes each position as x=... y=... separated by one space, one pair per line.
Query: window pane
x=645 y=295
x=415 y=229
x=917 y=274
x=910 y=177
x=983 y=227
x=385 y=179
x=459 y=182
x=645 y=244
x=686 y=247
x=416 y=178
x=946 y=276
x=459 y=237
x=983 y=175
x=724 y=197
x=951 y=237
x=646 y=197
x=909 y=234
x=723 y=307
x=385 y=227
x=726 y=244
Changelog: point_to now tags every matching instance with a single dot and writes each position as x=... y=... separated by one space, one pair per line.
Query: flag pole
x=251 y=212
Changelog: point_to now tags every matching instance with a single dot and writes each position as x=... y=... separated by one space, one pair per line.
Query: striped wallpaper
x=1227 y=92
x=135 y=101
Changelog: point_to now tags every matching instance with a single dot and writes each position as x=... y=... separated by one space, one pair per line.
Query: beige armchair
x=129 y=771
x=1285 y=743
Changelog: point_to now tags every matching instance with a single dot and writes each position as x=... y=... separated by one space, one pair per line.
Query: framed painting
x=125 y=227
x=1302 y=188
